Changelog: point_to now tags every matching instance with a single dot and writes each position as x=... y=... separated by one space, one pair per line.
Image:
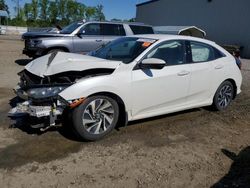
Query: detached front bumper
x=26 y=108
x=45 y=108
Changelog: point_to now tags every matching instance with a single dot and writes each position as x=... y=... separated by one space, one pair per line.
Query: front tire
x=223 y=96
x=95 y=117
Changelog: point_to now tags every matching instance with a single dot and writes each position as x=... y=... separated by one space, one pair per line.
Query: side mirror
x=152 y=63
x=80 y=33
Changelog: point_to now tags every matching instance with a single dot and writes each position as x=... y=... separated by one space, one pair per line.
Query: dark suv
x=80 y=37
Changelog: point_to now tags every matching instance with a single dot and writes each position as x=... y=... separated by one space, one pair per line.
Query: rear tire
x=223 y=96
x=95 y=117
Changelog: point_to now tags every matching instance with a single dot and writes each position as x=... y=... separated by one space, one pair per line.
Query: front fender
x=91 y=86
x=63 y=42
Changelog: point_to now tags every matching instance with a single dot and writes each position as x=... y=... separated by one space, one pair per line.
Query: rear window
x=203 y=52
x=113 y=29
x=141 y=29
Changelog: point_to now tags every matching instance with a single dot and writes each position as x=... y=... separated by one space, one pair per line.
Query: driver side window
x=172 y=52
x=91 y=29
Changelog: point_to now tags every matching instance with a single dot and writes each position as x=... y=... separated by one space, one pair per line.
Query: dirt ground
x=196 y=148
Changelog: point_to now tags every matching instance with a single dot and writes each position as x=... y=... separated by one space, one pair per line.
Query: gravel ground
x=195 y=148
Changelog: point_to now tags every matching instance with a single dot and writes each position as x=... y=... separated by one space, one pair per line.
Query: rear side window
x=218 y=54
x=141 y=29
x=112 y=29
x=201 y=52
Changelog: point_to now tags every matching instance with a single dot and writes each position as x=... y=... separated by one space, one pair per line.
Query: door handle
x=219 y=67
x=98 y=40
x=183 y=73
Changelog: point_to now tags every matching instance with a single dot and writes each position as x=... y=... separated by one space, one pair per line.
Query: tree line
x=46 y=13
x=3 y=6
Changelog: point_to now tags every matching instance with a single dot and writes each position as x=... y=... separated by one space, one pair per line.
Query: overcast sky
x=120 y=9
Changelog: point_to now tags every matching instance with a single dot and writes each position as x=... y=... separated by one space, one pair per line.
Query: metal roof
x=121 y=22
x=147 y=2
x=178 y=30
x=172 y=37
x=3 y=13
x=115 y=22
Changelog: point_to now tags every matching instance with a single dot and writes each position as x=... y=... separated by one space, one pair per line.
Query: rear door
x=111 y=31
x=201 y=58
x=88 y=39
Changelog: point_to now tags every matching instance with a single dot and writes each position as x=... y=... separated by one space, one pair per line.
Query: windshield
x=70 y=28
x=124 y=49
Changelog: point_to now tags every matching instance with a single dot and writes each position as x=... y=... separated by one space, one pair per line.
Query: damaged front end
x=40 y=94
x=45 y=78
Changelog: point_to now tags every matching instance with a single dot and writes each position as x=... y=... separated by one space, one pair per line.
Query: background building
x=226 y=22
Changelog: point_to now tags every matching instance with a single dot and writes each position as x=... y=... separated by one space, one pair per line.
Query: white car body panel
x=146 y=94
x=200 y=74
x=159 y=90
x=64 y=62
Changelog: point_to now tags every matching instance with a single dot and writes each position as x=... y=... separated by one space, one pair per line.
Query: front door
x=88 y=39
x=156 y=92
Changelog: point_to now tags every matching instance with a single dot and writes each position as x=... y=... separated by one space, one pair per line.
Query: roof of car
x=167 y=37
x=119 y=22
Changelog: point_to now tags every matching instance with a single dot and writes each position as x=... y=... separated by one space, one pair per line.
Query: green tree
x=44 y=13
x=22 y=16
x=27 y=10
x=132 y=20
x=81 y=11
x=43 y=4
x=17 y=8
x=62 y=8
x=99 y=15
x=72 y=8
x=116 y=20
x=53 y=11
x=90 y=12
x=4 y=6
x=34 y=9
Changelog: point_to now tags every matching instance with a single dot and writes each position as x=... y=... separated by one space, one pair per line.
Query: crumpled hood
x=60 y=62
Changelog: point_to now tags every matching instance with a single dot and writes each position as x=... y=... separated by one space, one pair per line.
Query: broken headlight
x=45 y=92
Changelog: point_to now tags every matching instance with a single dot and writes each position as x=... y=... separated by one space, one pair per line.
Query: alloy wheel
x=98 y=116
x=225 y=96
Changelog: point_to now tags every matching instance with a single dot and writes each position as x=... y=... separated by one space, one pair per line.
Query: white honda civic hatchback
x=128 y=79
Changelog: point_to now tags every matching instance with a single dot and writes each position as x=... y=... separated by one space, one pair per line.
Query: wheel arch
x=232 y=81
x=123 y=116
x=56 y=47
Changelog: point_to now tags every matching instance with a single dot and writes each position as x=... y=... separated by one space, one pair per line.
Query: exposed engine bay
x=30 y=81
